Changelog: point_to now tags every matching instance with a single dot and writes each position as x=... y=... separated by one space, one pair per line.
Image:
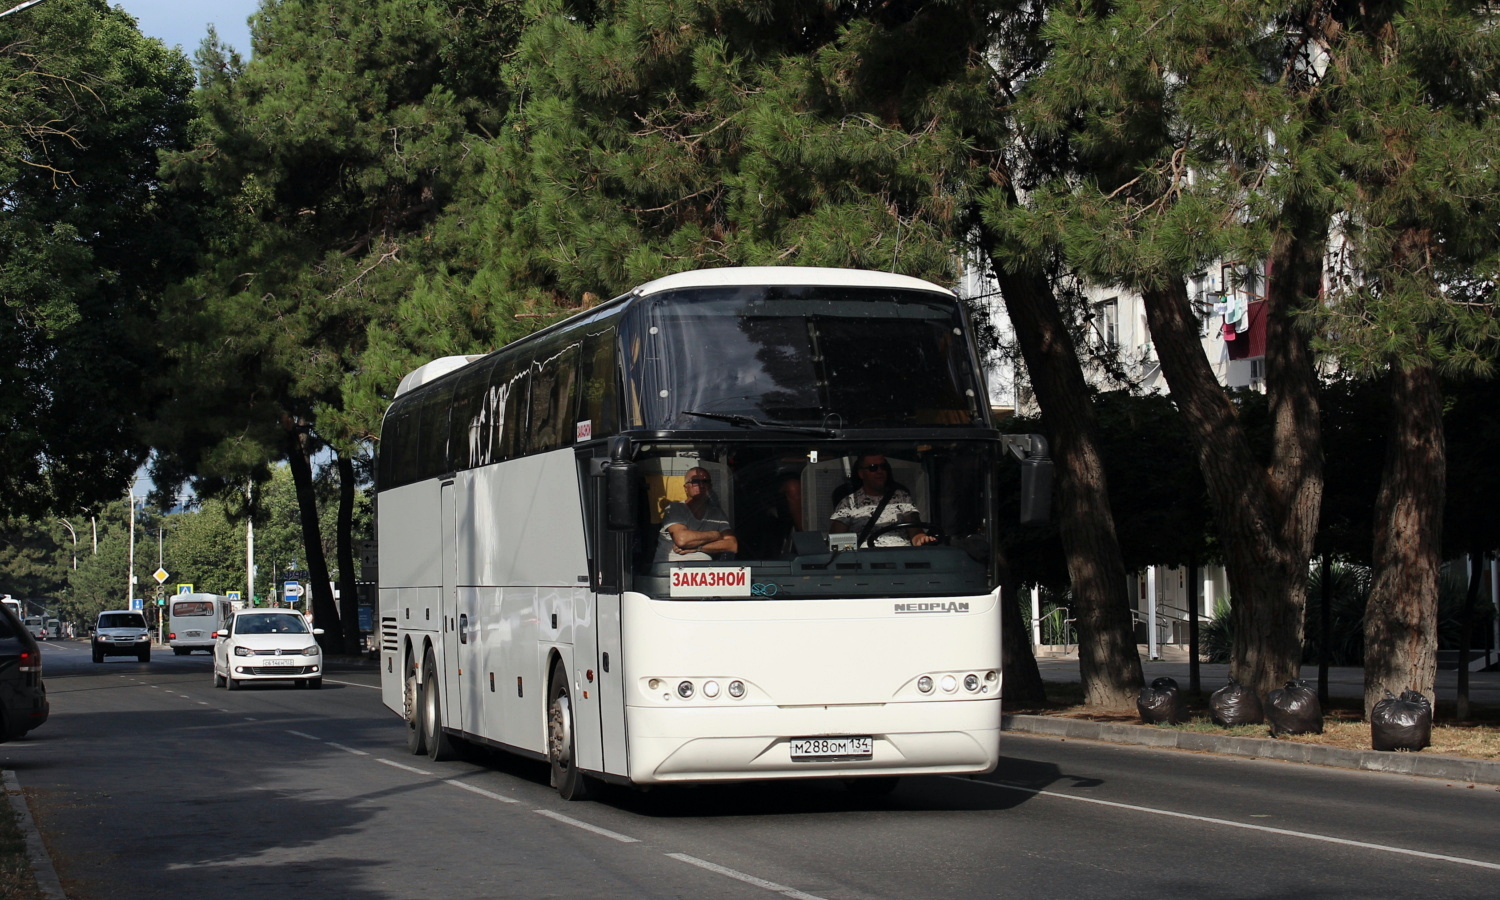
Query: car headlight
x=310 y=651
x=243 y=651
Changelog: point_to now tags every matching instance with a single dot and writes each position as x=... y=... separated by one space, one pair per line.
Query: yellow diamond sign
x=160 y=575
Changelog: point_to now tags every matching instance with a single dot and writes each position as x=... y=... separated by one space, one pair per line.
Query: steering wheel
x=928 y=527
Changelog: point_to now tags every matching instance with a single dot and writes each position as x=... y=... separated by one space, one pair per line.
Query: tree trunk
x=1021 y=680
x=1267 y=520
x=1401 y=620
x=348 y=586
x=1108 y=661
x=325 y=613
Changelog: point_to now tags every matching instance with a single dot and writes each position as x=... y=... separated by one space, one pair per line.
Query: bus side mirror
x=1036 y=491
x=620 y=507
x=1036 y=476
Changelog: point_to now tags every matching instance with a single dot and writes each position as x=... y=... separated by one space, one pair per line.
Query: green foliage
x=86 y=104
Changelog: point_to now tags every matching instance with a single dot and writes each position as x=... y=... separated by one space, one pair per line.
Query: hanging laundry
x=1228 y=332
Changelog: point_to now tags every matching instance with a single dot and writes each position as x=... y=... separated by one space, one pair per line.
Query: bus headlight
x=710 y=689
x=971 y=682
x=685 y=689
x=924 y=684
x=736 y=689
x=949 y=684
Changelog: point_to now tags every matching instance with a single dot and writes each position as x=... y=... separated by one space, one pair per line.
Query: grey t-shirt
x=678 y=513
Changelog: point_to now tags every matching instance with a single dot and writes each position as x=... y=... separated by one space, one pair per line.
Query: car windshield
x=121 y=620
x=275 y=623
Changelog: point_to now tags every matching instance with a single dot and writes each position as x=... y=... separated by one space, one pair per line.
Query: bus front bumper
x=754 y=742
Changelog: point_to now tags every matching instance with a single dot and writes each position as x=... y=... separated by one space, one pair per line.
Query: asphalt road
x=149 y=782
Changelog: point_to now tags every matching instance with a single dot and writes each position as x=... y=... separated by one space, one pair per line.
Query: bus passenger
x=698 y=528
x=879 y=497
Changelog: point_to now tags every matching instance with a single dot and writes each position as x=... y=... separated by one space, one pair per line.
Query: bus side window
x=436 y=408
x=511 y=406
x=596 y=386
x=551 y=396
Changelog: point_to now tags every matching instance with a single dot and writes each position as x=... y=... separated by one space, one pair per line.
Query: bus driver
x=697 y=528
x=877 y=496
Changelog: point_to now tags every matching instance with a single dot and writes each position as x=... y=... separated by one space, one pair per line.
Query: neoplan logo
x=950 y=607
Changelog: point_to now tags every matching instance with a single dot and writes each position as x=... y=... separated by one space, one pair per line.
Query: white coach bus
x=528 y=598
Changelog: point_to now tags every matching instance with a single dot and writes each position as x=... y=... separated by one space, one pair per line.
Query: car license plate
x=849 y=747
x=276 y=661
x=194 y=634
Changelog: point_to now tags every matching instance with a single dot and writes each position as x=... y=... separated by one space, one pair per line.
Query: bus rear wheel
x=411 y=698
x=439 y=748
x=570 y=782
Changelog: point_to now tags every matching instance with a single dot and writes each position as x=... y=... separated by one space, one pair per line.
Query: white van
x=193 y=619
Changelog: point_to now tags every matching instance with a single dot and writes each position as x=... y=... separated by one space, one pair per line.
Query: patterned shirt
x=857 y=508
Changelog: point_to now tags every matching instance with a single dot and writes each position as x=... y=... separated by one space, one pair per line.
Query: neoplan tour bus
x=620 y=545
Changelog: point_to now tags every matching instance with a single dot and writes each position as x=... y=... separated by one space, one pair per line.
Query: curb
x=41 y=864
x=1449 y=768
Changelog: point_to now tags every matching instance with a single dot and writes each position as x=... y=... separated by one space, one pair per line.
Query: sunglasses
x=877 y=467
x=702 y=482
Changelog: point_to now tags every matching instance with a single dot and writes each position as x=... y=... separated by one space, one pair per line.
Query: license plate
x=275 y=661
x=194 y=634
x=860 y=747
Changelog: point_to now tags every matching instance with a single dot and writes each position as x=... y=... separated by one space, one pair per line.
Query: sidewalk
x=1484 y=689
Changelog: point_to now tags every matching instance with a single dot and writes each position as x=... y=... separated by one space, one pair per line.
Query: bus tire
x=411 y=699
x=561 y=744
x=439 y=748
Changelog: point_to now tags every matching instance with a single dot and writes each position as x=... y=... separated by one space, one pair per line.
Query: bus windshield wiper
x=752 y=422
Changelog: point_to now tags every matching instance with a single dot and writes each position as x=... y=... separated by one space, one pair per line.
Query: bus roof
x=778 y=275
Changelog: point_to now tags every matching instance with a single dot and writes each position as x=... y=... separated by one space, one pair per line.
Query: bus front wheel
x=570 y=782
x=439 y=748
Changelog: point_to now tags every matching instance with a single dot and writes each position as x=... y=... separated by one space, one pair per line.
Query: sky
x=185 y=22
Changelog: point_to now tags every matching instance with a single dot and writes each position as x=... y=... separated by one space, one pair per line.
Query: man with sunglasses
x=878 y=496
x=696 y=528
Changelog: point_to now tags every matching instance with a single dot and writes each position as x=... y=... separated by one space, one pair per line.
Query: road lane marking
x=481 y=791
x=605 y=832
x=302 y=735
x=373 y=687
x=346 y=749
x=251 y=719
x=1328 y=839
x=402 y=766
x=741 y=876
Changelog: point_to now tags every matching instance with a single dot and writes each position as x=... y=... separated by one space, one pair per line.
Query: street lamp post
x=68 y=525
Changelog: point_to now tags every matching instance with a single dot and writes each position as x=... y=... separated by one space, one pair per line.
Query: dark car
x=23 y=697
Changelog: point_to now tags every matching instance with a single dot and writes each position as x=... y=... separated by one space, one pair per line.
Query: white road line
x=402 y=766
x=251 y=719
x=373 y=687
x=303 y=735
x=741 y=876
x=1328 y=839
x=346 y=749
x=481 y=791
x=613 y=835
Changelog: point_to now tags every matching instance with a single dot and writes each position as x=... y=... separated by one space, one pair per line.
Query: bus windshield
x=817 y=356
x=811 y=520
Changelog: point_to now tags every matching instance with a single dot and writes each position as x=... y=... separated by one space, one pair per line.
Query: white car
x=267 y=644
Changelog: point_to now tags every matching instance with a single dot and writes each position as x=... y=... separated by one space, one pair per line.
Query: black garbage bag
x=1161 y=703
x=1401 y=723
x=1294 y=710
x=1234 y=704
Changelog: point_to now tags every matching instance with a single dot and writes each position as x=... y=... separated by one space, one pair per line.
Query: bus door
x=455 y=621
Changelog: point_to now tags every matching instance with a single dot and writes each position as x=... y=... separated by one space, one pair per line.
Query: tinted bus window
x=597 y=377
x=467 y=441
x=553 y=376
x=433 y=453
